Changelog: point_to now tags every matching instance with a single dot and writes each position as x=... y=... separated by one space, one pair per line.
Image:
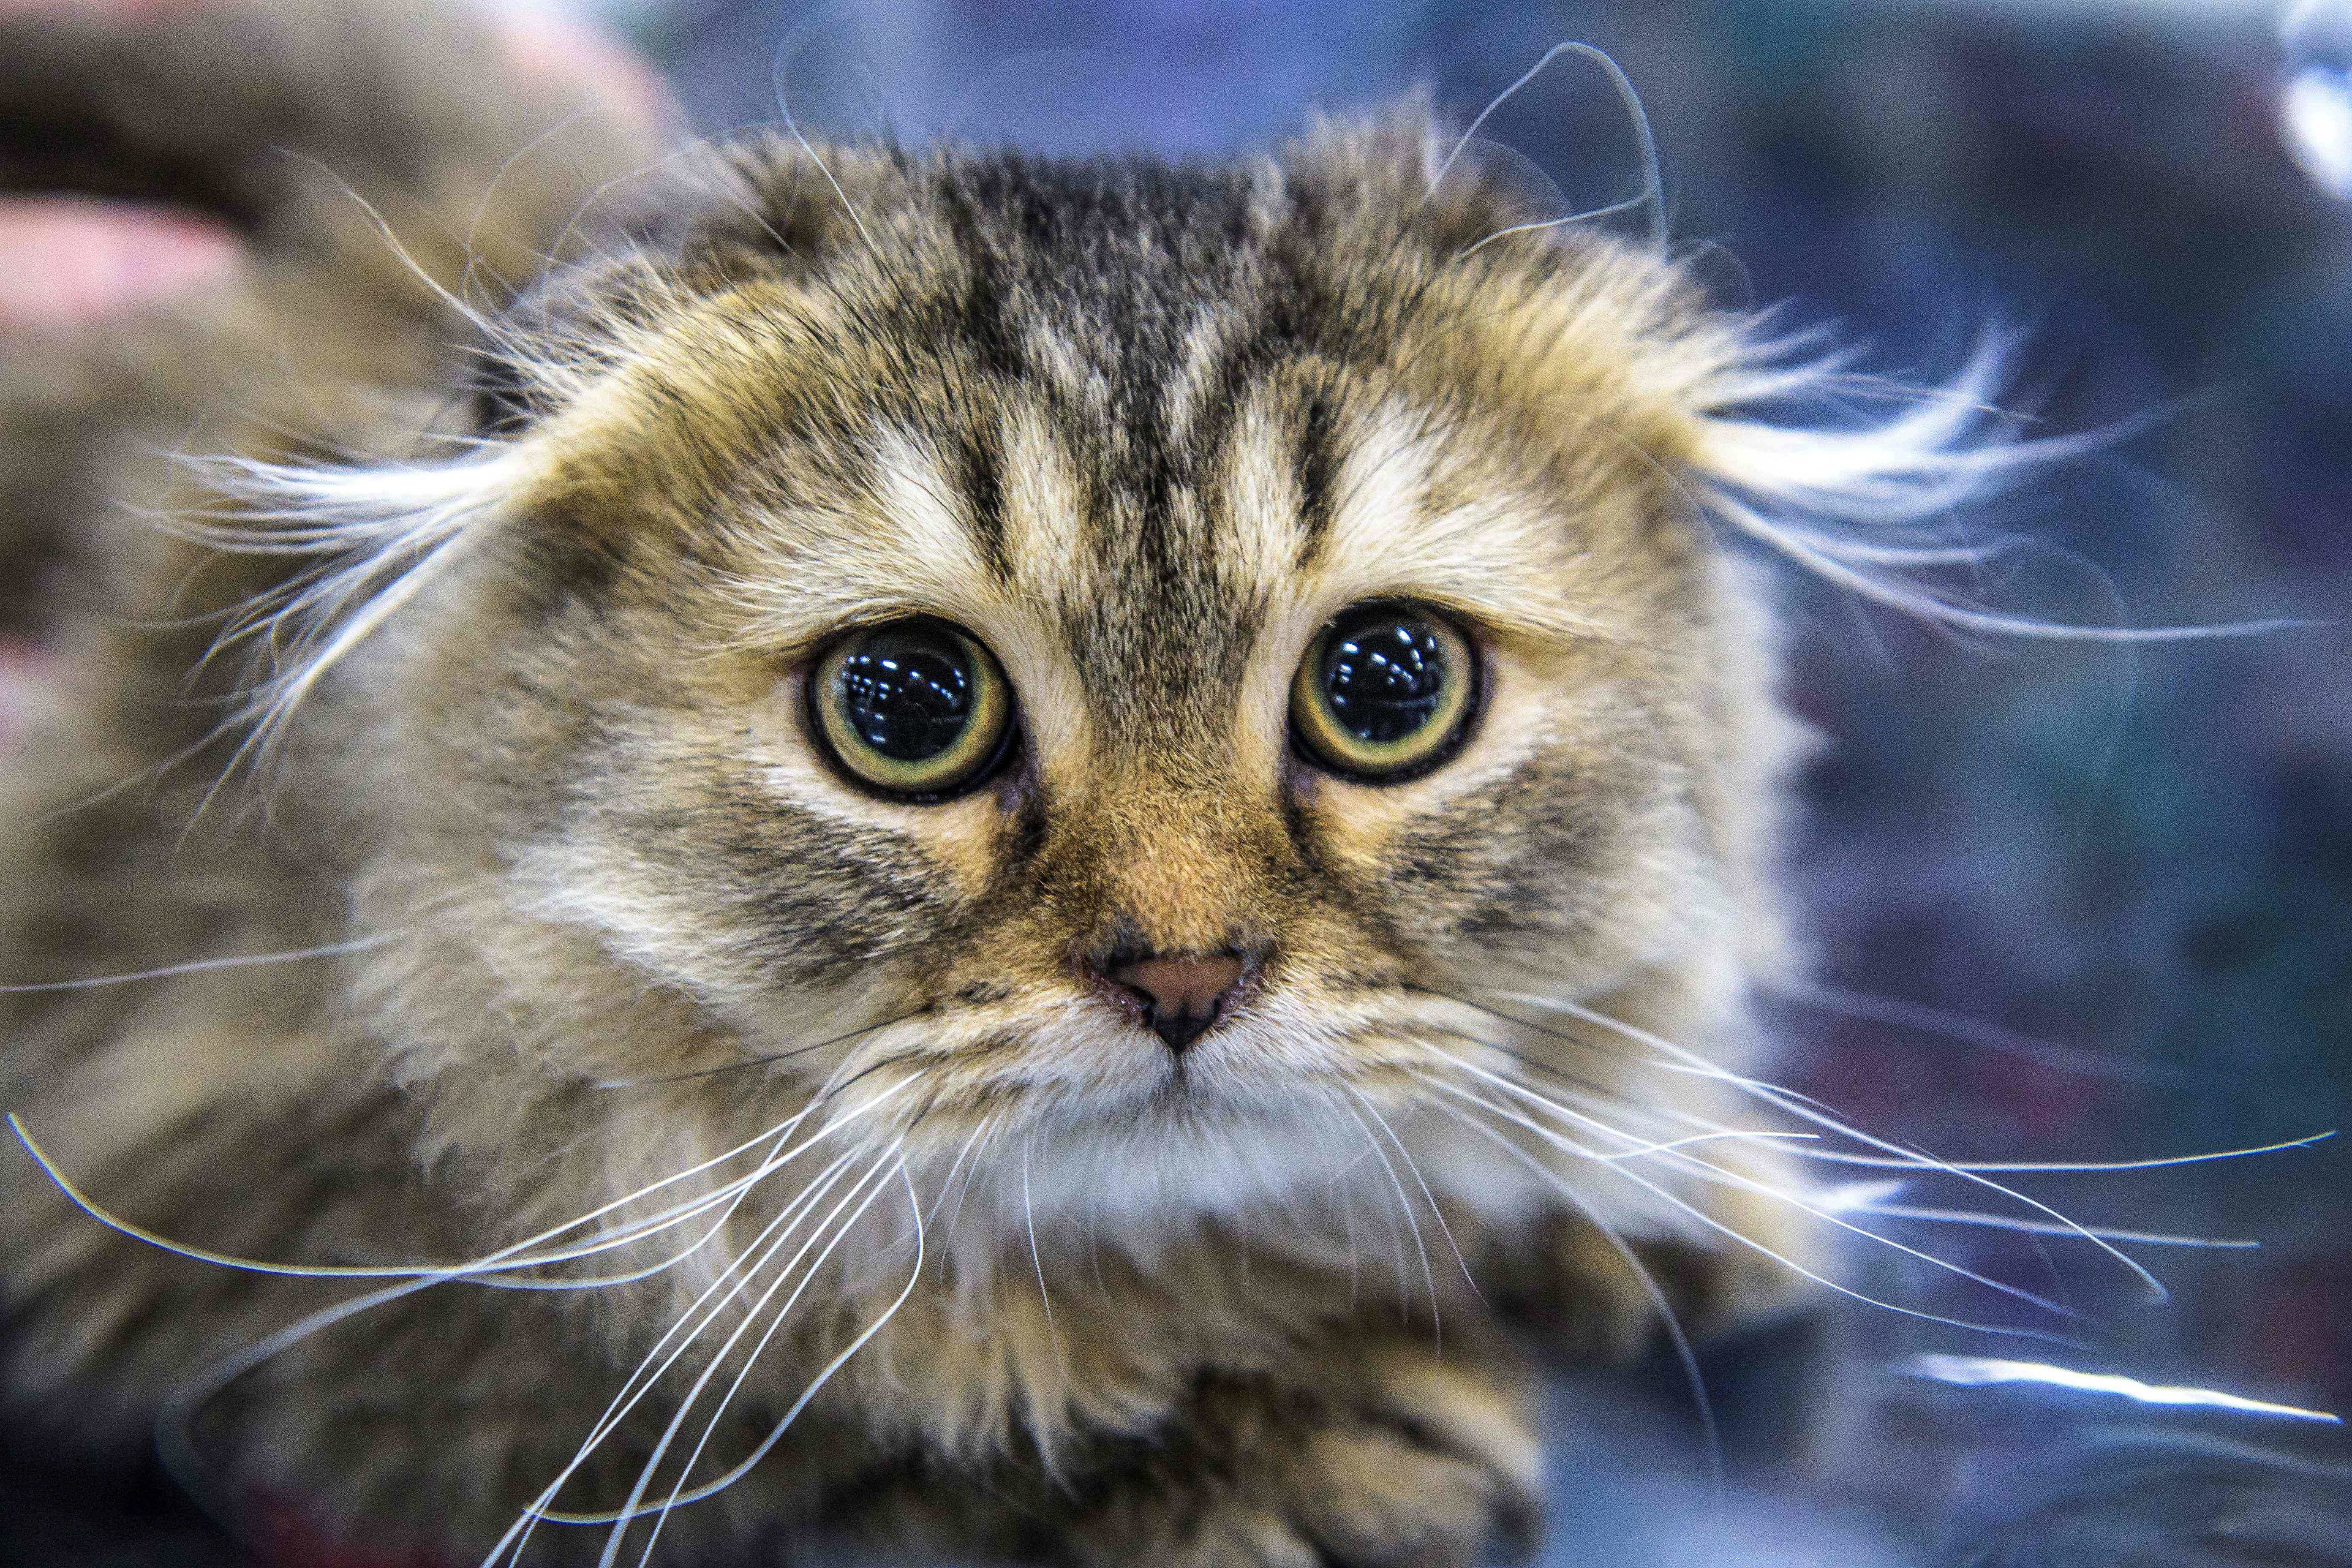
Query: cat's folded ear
x=773 y=207
x=715 y=217
x=1406 y=160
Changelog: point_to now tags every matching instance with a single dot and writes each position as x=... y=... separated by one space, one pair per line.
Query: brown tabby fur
x=1142 y=429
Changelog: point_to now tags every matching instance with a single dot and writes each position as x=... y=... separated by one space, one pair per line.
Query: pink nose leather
x=1185 y=994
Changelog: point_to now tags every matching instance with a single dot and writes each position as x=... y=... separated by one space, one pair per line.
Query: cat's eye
x=1385 y=692
x=915 y=708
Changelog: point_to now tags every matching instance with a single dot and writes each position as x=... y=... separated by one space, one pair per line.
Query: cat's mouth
x=1192 y=1044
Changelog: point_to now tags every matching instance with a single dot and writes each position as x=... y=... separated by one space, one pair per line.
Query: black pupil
x=1384 y=675
x=907 y=691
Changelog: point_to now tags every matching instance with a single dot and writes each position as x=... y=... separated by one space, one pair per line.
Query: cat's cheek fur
x=1560 y=840
x=961 y=839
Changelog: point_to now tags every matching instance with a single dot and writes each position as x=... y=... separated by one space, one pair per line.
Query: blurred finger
x=70 y=261
x=543 y=49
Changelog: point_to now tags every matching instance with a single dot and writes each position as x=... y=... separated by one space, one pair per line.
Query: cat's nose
x=1182 y=995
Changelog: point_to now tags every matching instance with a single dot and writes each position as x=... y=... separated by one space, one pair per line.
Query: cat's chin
x=1195 y=1148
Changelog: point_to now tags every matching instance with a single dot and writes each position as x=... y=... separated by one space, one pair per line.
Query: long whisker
x=701 y=1313
x=979 y=1130
x=635 y=1507
x=1685 y=1353
x=1045 y=1296
x=175 y=1416
x=1797 y=1105
x=783 y=103
x=731 y=1196
x=1558 y=1104
x=1637 y=1147
x=858 y=1033
x=752 y=1360
x=2043 y=1227
x=1413 y=1223
x=991 y=1127
x=1882 y=1162
x=712 y=1488
x=1707 y=1169
x=514 y=1256
x=1420 y=1181
x=1590 y=215
x=1796 y=1144
x=1741 y=1238
x=198 y=966
x=841 y=1359
x=751 y=1260
x=1653 y=184
x=1728 y=1135
x=1922 y=1163
x=731 y=1193
x=1590 y=1090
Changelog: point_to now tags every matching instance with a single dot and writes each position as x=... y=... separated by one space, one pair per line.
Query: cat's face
x=1136 y=658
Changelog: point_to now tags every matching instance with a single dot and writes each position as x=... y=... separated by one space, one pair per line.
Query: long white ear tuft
x=1868 y=500
x=370 y=539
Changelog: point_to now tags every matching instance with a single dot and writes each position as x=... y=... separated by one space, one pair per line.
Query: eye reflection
x=906 y=702
x=917 y=708
x=1386 y=682
x=1384 y=692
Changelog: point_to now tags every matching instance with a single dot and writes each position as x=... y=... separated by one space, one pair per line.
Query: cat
x=1060 y=860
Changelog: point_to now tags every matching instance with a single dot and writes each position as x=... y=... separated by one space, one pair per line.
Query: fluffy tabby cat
x=1070 y=836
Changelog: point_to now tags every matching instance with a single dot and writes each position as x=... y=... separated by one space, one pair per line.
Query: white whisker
x=1045 y=1296
x=990 y=1127
x=201 y=966
x=1637 y=1145
x=824 y=1375
x=1798 y=1106
x=641 y=1379
x=1685 y=1354
x=2043 y=1227
x=515 y=1255
x=1742 y=1238
x=1435 y=1213
x=1591 y=215
x=1730 y=1135
x=175 y=1415
x=776 y=1322
x=752 y=1258
x=1707 y=1170
x=979 y=1130
x=1404 y=1206
x=635 y=1507
x=1901 y=1162
x=1653 y=184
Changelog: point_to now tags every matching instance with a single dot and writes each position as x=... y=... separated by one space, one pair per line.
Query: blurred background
x=2079 y=903
x=2072 y=902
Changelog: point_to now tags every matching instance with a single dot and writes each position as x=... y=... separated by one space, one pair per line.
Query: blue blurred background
x=2131 y=870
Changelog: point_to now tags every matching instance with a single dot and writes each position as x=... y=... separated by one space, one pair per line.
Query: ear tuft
x=1863 y=480
x=1402 y=159
x=771 y=208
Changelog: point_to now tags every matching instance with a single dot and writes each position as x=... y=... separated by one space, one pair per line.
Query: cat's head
x=1099 y=649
